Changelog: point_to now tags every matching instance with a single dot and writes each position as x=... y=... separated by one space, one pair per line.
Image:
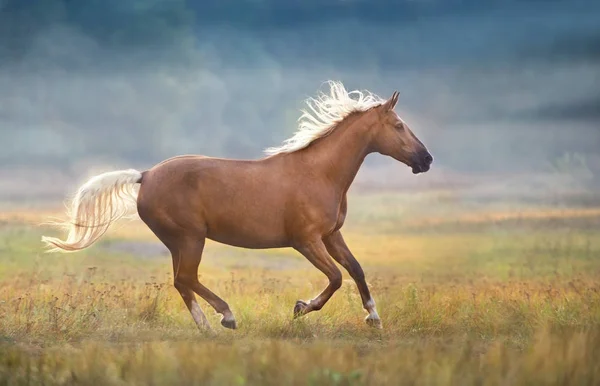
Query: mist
x=509 y=87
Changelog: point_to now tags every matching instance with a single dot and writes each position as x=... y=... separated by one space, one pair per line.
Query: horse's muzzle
x=422 y=162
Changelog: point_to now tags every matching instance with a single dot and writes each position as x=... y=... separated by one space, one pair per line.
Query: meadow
x=469 y=294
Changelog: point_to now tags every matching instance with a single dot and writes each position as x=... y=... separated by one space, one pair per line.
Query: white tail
x=101 y=201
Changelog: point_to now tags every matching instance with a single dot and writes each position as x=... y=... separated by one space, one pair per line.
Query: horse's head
x=393 y=137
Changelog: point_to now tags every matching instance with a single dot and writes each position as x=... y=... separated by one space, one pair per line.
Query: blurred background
x=505 y=93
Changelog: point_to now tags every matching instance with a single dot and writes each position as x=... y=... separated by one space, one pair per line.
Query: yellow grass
x=516 y=305
x=526 y=214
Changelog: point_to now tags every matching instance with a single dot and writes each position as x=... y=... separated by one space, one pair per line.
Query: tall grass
x=568 y=358
x=497 y=304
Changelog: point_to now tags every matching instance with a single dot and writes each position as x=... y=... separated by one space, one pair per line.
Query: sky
x=488 y=86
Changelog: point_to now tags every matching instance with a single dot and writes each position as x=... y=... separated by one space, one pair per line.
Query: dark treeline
x=510 y=84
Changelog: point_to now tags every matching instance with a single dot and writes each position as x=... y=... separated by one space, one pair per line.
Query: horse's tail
x=98 y=203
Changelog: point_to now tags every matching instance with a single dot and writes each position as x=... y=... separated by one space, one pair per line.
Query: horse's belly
x=246 y=233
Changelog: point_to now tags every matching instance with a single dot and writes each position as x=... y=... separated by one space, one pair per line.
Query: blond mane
x=324 y=113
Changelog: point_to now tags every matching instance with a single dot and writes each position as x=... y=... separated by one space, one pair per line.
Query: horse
x=293 y=197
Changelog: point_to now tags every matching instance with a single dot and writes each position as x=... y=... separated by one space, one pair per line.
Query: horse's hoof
x=229 y=323
x=300 y=308
x=373 y=322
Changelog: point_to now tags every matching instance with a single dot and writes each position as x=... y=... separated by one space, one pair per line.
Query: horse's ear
x=391 y=103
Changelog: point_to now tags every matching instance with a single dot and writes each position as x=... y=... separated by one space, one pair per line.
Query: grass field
x=468 y=295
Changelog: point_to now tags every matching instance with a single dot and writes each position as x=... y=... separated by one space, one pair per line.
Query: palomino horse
x=294 y=197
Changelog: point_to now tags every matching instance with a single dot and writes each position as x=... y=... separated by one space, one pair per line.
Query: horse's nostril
x=428 y=159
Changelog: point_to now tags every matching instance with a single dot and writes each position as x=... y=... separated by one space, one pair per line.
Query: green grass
x=499 y=302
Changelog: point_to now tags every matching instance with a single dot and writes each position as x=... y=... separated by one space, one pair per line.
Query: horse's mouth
x=416 y=169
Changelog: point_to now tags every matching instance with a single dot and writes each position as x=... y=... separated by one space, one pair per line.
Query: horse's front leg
x=338 y=249
x=316 y=253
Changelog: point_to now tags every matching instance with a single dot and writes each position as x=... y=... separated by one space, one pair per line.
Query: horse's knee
x=336 y=281
x=178 y=285
x=353 y=267
x=182 y=282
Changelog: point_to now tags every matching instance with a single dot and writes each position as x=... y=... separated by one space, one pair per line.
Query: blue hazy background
x=490 y=86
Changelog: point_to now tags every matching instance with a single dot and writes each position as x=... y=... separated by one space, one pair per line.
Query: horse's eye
x=400 y=127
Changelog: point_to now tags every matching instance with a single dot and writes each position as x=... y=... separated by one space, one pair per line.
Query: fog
x=505 y=87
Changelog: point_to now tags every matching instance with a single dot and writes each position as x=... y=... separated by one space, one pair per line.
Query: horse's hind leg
x=186 y=275
x=190 y=299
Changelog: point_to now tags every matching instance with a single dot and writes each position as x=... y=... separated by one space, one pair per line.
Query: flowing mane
x=324 y=113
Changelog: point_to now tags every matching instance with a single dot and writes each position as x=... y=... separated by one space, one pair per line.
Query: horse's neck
x=340 y=154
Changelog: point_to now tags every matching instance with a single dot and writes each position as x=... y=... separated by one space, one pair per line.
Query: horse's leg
x=337 y=248
x=190 y=254
x=317 y=254
x=189 y=298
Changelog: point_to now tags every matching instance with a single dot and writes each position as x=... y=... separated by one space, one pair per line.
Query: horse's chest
x=341 y=215
x=333 y=214
x=309 y=216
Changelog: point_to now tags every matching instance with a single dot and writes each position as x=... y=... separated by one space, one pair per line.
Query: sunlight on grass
x=498 y=303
